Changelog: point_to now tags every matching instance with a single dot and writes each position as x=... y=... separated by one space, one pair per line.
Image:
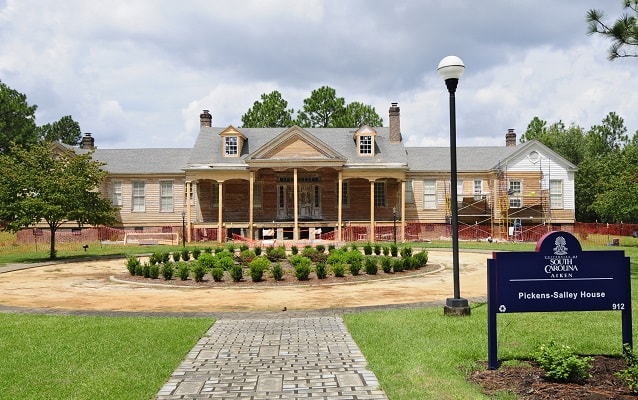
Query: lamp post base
x=456 y=307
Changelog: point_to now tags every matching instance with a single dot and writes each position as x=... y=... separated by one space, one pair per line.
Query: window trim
x=231 y=149
x=515 y=196
x=136 y=196
x=366 y=146
x=116 y=194
x=553 y=195
x=171 y=205
x=431 y=194
x=380 y=194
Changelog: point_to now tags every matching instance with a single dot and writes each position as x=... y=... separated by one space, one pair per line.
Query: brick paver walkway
x=287 y=357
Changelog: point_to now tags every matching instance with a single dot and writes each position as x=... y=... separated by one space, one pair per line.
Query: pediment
x=295 y=143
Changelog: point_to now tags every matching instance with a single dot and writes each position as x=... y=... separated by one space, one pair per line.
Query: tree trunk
x=52 y=229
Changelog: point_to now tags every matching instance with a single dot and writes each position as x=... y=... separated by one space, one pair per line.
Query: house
x=342 y=184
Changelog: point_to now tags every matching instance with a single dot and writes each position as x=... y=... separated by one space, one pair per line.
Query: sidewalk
x=275 y=356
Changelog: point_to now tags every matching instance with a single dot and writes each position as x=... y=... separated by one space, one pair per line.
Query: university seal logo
x=560 y=249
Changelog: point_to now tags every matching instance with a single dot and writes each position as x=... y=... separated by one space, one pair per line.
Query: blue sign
x=558 y=276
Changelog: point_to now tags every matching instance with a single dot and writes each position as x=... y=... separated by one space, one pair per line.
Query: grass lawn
x=70 y=357
x=422 y=354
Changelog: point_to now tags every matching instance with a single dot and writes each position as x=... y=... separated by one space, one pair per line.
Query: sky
x=137 y=73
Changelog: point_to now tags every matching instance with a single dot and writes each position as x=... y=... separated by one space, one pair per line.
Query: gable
x=295 y=144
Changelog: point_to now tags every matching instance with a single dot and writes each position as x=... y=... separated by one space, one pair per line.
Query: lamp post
x=184 y=229
x=450 y=70
x=394 y=219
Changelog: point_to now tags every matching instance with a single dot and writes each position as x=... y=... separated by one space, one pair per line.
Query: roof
x=468 y=159
x=143 y=161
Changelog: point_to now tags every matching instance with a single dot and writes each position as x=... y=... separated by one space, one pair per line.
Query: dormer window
x=364 y=138
x=231 y=145
x=233 y=141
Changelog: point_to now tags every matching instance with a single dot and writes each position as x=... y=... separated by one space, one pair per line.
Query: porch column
x=220 y=224
x=402 y=211
x=295 y=231
x=251 y=205
x=371 y=212
x=189 y=188
x=339 y=206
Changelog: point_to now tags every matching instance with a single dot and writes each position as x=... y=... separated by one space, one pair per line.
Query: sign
x=558 y=276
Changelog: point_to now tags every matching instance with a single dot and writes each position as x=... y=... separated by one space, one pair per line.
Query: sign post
x=558 y=276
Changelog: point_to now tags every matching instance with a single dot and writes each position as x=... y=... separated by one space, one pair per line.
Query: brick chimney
x=205 y=119
x=510 y=138
x=87 y=142
x=395 y=123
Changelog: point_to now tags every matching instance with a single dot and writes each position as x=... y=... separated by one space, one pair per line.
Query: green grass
x=422 y=354
x=70 y=357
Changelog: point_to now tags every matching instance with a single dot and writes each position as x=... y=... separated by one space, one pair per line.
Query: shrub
x=219 y=249
x=246 y=256
x=208 y=250
x=394 y=250
x=377 y=249
x=331 y=248
x=397 y=265
x=353 y=256
x=353 y=247
x=302 y=270
x=183 y=270
x=367 y=249
x=257 y=268
x=154 y=271
x=277 y=272
x=146 y=270
x=257 y=250
x=243 y=247
x=231 y=248
x=299 y=259
x=630 y=374
x=155 y=258
x=321 y=248
x=217 y=274
x=406 y=252
x=139 y=270
x=196 y=252
x=321 y=270
x=562 y=364
x=207 y=261
x=421 y=259
x=294 y=250
x=386 y=251
x=168 y=270
x=224 y=260
x=236 y=273
x=177 y=256
x=132 y=263
x=386 y=264
x=337 y=256
x=186 y=255
x=409 y=263
x=276 y=253
x=198 y=272
x=371 y=265
x=308 y=252
x=355 y=267
x=339 y=269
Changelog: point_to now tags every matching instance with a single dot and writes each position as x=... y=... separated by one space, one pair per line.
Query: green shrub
x=377 y=249
x=294 y=250
x=299 y=259
x=386 y=251
x=421 y=259
x=139 y=270
x=236 y=273
x=355 y=267
x=186 y=255
x=198 y=272
x=131 y=264
x=406 y=252
x=231 y=247
x=409 y=263
x=277 y=272
x=217 y=274
x=257 y=250
x=243 y=247
x=224 y=260
x=196 y=253
x=394 y=250
x=562 y=364
x=146 y=270
x=155 y=258
x=337 y=256
x=208 y=250
x=206 y=260
x=321 y=270
x=630 y=374
x=257 y=268
x=331 y=248
x=302 y=270
x=367 y=249
x=177 y=256
x=386 y=264
x=321 y=248
x=276 y=253
x=183 y=270
x=308 y=252
x=339 y=269
x=154 y=271
x=246 y=256
x=219 y=249
x=353 y=247
x=354 y=255
x=397 y=265
x=168 y=270
x=371 y=265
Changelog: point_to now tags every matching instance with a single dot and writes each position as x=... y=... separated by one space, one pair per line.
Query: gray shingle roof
x=468 y=159
x=143 y=161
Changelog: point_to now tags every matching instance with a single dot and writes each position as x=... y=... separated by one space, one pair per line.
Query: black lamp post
x=394 y=218
x=451 y=69
x=184 y=229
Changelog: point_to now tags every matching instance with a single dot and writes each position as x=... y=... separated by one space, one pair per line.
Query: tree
x=66 y=130
x=569 y=142
x=357 y=114
x=322 y=109
x=271 y=112
x=17 y=119
x=609 y=137
x=623 y=32
x=39 y=185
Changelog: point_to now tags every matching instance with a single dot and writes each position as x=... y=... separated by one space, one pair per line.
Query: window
x=478 y=189
x=138 y=196
x=409 y=192
x=514 y=191
x=257 y=194
x=215 y=194
x=365 y=145
x=116 y=195
x=231 y=145
x=429 y=194
x=282 y=196
x=317 y=196
x=379 y=194
x=459 y=192
x=166 y=196
x=344 y=193
x=556 y=193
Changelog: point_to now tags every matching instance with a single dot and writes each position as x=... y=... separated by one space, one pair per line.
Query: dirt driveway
x=87 y=286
